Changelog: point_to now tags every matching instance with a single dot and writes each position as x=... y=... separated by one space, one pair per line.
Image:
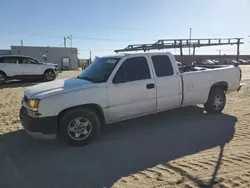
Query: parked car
x=24 y=67
x=178 y=63
x=116 y=88
x=215 y=61
x=242 y=61
x=208 y=62
x=233 y=62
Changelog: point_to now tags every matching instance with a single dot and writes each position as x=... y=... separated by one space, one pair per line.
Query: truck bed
x=197 y=81
x=200 y=68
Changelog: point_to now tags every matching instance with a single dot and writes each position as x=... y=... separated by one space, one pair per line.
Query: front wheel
x=79 y=127
x=49 y=75
x=216 y=101
x=2 y=78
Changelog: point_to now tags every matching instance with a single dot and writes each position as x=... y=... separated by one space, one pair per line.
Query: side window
x=12 y=60
x=162 y=65
x=132 y=69
x=29 y=61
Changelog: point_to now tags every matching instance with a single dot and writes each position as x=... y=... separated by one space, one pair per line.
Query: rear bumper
x=40 y=128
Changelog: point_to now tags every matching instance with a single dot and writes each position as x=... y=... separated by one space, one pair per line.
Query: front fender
x=53 y=105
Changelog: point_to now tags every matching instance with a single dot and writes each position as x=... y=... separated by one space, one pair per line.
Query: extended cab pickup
x=116 y=88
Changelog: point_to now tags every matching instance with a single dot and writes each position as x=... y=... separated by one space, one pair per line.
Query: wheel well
x=3 y=73
x=48 y=70
x=221 y=85
x=94 y=107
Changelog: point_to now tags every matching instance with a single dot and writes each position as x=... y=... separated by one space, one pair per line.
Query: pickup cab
x=116 y=88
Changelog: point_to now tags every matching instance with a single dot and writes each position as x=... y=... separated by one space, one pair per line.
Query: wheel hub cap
x=79 y=128
x=49 y=75
x=1 y=78
x=218 y=102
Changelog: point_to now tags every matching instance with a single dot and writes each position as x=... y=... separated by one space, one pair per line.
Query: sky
x=104 y=25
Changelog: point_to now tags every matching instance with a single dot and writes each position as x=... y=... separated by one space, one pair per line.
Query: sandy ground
x=178 y=148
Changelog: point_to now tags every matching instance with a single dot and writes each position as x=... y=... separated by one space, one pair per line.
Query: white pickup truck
x=116 y=88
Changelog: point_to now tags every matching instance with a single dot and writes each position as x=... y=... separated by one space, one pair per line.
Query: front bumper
x=56 y=71
x=40 y=128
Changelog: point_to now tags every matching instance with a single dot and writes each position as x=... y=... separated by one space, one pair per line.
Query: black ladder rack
x=184 y=43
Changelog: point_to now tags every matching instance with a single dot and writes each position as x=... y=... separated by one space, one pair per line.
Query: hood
x=43 y=90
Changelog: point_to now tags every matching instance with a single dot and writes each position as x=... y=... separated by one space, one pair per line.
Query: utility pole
x=219 y=51
x=190 y=36
x=70 y=38
x=64 y=39
x=21 y=42
x=65 y=42
x=90 y=57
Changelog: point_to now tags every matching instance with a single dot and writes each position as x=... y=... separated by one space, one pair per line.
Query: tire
x=216 y=101
x=78 y=127
x=49 y=75
x=2 y=78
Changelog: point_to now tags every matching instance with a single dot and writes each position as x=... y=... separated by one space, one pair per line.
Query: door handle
x=150 y=86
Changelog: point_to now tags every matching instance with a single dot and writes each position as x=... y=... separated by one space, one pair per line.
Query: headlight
x=33 y=103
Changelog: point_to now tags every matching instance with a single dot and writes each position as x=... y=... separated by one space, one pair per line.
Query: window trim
x=121 y=63
x=154 y=65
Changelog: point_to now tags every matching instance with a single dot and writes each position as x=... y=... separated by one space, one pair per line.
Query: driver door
x=132 y=91
x=31 y=66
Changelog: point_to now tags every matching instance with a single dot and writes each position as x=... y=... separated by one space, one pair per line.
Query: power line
x=111 y=29
x=59 y=45
x=111 y=39
x=87 y=50
x=37 y=34
x=85 y=38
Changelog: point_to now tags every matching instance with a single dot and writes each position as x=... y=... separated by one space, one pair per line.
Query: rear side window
x=132 y=69
x=162 y=65
x=26 y=60
x=12 y=60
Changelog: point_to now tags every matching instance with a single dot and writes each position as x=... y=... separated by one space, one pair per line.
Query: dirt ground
x=179 y=148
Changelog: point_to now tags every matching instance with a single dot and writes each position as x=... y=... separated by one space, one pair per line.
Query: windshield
x=100 y=70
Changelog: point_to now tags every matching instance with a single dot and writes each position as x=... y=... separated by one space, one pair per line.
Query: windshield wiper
x=88 y=79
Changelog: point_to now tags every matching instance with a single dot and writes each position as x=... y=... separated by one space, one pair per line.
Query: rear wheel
x=49 y=75
x=216 y=101
x=79 y=127
x=2 y=78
